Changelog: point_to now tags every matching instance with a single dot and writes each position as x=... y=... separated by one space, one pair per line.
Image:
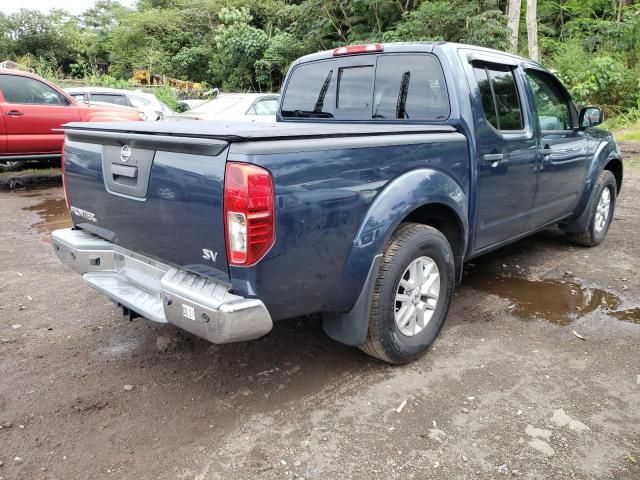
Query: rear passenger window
x=486 y=95
x=499 y=95
x=410 y=87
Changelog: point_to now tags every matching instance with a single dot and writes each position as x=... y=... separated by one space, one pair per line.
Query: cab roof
x=421 y=47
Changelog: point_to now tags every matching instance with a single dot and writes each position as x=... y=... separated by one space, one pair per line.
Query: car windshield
x=139 y=102
x=217 y=105
x=114 y=98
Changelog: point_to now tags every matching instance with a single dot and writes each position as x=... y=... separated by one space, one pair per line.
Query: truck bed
x=250 y=131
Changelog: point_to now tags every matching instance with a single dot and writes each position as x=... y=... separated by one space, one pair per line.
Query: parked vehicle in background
x=254 y=107
x=33 y=112
x=189 y=104
x=147 y=103
x=389 y=166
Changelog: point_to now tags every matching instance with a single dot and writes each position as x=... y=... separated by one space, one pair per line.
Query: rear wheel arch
x=447 y=221
x=351 y=327
x=425 y=196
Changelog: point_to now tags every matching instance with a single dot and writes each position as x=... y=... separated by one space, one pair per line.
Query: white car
x=152 y=108
x=255 y=107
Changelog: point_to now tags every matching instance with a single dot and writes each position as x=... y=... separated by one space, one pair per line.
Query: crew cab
x=389 y=166
x=33 y=111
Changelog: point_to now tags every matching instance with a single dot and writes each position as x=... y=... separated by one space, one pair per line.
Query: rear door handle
x=14 y=113
x=493 y=158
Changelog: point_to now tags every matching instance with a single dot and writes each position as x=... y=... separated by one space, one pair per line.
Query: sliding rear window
x=388 y=87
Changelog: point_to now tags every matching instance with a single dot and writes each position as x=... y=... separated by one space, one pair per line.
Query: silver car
x=147 y=103
x=254 y=107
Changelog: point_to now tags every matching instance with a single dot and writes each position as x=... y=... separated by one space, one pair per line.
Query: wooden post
x=513 y=23
x=532 y=30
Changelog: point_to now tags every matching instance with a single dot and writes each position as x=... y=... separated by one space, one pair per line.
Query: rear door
x=506 y=149
x=562 y=150
x=32 y=111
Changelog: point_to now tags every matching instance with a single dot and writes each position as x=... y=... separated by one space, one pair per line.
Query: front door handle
x=14 y=113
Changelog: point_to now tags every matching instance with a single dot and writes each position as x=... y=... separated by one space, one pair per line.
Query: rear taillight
x=64 y=181
x=355 y=49
x=248 y=212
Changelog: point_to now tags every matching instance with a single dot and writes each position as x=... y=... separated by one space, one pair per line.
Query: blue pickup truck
x=388 y=167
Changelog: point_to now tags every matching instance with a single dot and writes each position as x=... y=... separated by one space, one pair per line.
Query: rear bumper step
x=161 y=293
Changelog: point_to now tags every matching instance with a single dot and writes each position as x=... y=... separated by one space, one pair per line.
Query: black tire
x=384 y=339
x=591 y=236
x=12 y=165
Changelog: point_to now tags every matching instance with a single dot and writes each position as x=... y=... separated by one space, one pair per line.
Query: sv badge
x=209 y=255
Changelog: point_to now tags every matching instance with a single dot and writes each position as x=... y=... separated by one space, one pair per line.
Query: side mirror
x=591 y=117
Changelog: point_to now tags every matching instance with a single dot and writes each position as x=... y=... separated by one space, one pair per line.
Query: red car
x=33 y=110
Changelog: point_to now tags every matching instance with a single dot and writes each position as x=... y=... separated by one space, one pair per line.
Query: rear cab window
x=383 y=87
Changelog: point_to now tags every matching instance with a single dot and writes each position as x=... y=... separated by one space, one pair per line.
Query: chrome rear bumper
x=159 y=292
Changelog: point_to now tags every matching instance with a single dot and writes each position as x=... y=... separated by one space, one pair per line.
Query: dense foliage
x=594 y=45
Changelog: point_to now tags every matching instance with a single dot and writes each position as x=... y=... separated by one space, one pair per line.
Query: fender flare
x=605 y=152
x=399 y=198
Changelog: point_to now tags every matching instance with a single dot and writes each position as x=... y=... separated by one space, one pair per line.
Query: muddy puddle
x=51 y=209
x=557 y=301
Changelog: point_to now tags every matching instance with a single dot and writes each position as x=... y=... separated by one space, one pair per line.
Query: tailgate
x=157 y=195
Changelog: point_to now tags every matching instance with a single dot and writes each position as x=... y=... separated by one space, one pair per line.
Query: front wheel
x=412 y=294
x=600 y=210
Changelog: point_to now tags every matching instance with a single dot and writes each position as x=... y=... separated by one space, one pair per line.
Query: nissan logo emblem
x=125 y=153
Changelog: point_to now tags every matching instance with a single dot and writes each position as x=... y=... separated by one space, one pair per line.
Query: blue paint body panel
x=341 y=188
x=180 y=215
x=335 y=210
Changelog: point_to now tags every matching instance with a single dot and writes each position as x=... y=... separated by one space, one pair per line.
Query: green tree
x=477 y=22
x=239 y=46
x=249 y=44
x=283 y=48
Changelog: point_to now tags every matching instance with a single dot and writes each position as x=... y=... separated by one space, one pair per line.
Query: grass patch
x=27 y=172
x=628 y=134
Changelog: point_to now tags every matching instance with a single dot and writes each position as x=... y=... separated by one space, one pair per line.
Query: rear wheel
x=12 y=165
x=411 y=295
x=600 y=210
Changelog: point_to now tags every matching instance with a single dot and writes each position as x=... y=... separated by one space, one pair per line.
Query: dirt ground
x=536 y=375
